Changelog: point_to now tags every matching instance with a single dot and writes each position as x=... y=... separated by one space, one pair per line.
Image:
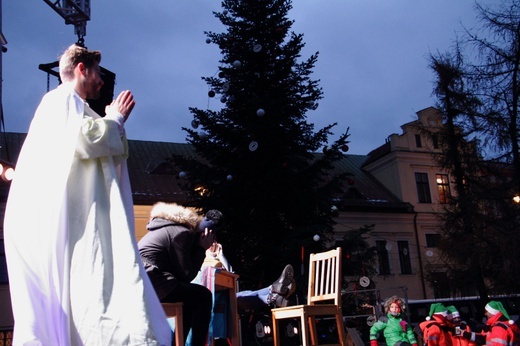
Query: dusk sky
x=372 y=63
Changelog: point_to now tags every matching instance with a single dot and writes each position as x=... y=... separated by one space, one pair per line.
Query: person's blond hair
x=72 y=56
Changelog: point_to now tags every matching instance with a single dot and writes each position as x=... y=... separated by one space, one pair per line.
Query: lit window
x=443 y=187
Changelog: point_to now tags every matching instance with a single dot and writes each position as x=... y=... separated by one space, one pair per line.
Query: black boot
x=281 y=286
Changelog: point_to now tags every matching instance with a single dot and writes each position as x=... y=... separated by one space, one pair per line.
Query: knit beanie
x=437 y=309
x=452 y=312
x=212 y=220
x=494 y=307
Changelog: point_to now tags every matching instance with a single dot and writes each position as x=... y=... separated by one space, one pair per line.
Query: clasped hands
x=124 y=104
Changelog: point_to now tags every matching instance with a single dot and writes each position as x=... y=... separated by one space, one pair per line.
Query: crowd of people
x=444 y=327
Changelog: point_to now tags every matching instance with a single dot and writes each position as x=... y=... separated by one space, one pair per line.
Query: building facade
x=397 y=187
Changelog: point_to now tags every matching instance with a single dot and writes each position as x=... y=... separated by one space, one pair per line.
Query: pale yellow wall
x=142 y=216
x=391 y=227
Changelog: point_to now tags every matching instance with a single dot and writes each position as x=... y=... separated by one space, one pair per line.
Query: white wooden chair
x=323 y=299
x=174 y=310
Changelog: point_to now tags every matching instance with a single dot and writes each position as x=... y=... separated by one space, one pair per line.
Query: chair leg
x=312 y=330
x=179 y=330
x=341 y=330
x=276 y=333
x=174 y=310
x=305 y=331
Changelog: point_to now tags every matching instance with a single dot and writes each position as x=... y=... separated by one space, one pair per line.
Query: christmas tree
x=258 y=160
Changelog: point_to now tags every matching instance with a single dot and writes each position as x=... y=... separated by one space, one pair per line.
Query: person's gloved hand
x=374 y=343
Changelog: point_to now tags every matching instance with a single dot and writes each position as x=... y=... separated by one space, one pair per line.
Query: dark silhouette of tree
x=495 y=76
x=257 y=157
x=479 y=140
x=463 y=214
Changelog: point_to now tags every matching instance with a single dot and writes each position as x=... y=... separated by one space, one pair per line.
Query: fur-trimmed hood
x=394 y=299
x=178 y=214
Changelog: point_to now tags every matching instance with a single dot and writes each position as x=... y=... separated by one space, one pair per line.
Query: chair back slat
x=325 y=277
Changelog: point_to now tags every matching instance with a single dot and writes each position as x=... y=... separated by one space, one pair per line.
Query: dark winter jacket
x=170 y=250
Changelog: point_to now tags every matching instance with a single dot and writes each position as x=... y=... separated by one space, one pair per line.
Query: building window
x=443 y=187
x=435 y=141
x=440 y=284
x=3 y=264
x=423 y=188
x=382 y=258
x=404 y=257
x=432 y=239
x=418 y=142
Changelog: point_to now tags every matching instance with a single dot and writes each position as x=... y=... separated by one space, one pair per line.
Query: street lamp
x=6 y=171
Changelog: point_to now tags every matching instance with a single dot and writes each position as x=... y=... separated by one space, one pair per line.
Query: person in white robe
x=75 y=274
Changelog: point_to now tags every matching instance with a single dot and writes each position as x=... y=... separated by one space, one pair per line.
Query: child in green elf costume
x=396 y=330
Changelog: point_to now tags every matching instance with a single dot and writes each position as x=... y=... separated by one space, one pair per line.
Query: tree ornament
x=223 y=99
x=208 y=41
x=182 y=175
x=325 y=149
x=260 y=112
x=316 y=237
x=344 y=147
x=211 y=93
x=225 y=12
x=257 y=47
x=237 y=64
x=202 y=134
x=253 y=146
x=225 y=87
x=194 y=124
x=221 y=74
x=229 y=177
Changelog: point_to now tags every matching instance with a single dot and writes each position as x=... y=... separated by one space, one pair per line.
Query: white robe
x=75 y=274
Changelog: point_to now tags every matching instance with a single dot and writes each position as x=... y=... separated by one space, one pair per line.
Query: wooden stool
x=174 y=310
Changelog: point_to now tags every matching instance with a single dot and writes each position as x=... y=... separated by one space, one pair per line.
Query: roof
x=364 y=192
x=152 y=174
x=154 y=177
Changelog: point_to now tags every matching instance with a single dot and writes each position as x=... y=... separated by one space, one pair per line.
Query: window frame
x=383 y=260
x=405 y=261
x=423 y=187
x=443 y=187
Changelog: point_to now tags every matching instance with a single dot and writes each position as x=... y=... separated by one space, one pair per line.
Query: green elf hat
x=437 y=309
x=494 y=307
x=452 y=312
